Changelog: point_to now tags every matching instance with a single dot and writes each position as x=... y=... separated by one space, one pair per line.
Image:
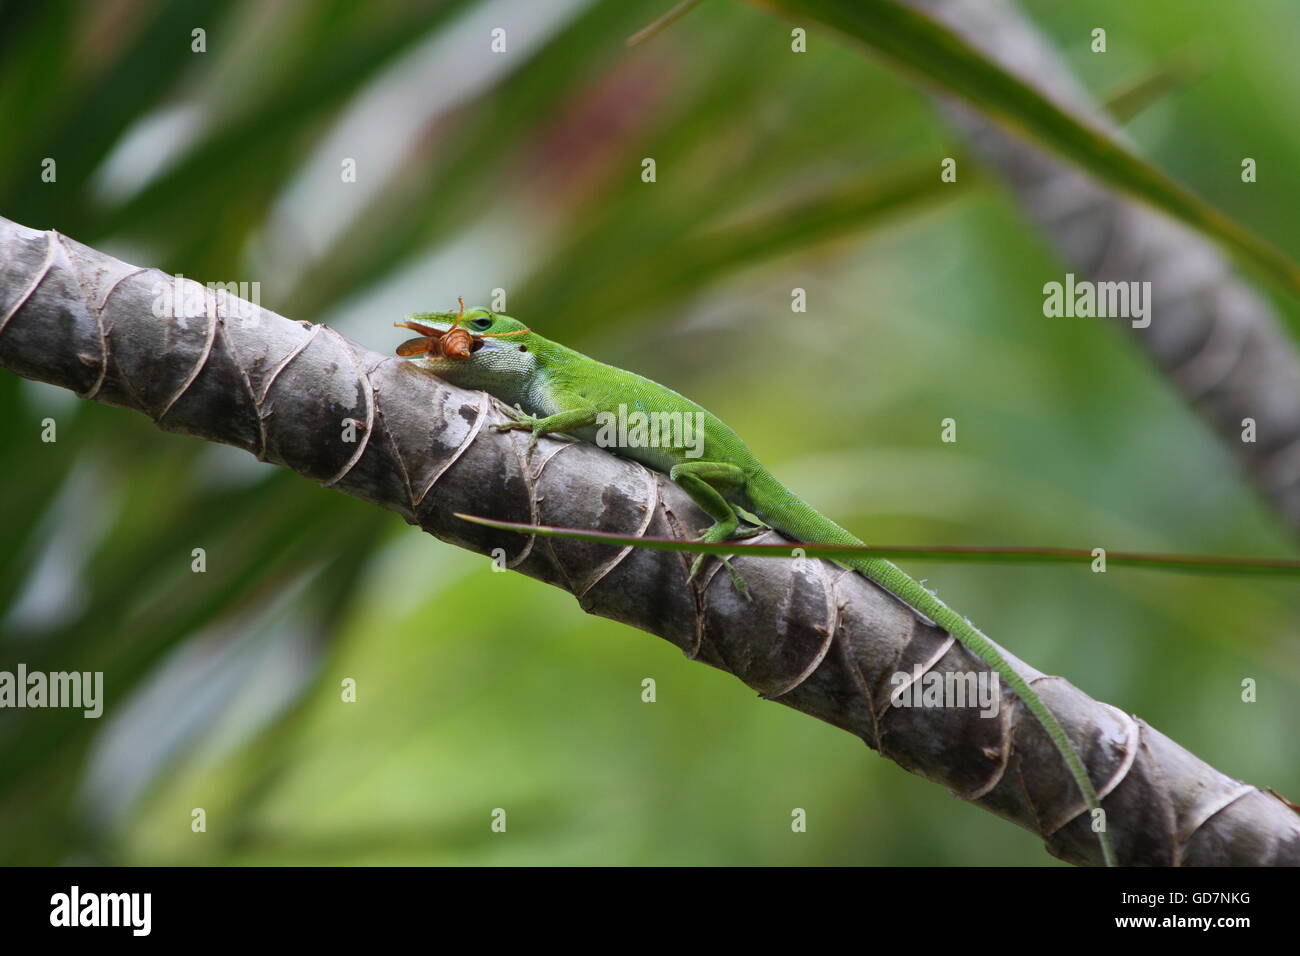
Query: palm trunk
x=817 y=638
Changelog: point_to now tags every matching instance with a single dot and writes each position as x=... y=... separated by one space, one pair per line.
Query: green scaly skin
x=564 y=391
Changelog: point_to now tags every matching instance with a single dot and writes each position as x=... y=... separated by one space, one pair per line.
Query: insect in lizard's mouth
x=450 y=342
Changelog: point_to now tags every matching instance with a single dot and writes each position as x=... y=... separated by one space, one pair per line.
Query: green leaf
x=940 y=58
x=671 y=270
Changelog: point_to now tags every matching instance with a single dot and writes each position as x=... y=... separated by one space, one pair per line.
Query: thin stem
x=997 y=554
x=672 y=16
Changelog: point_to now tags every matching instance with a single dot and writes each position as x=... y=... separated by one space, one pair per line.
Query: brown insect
x=455 y=343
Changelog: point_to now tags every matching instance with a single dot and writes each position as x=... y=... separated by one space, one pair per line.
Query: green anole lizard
x=564 y=391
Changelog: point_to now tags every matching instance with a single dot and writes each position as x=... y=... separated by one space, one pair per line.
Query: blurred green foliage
x=521 y=171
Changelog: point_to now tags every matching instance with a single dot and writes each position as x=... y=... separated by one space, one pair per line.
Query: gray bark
x=1216 y=339
x=816 y=637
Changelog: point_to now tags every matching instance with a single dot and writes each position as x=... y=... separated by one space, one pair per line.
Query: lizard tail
x=792 y=516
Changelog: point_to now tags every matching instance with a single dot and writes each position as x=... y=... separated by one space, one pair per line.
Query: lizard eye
x=481 y=324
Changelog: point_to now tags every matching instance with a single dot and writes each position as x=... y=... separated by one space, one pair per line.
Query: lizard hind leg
x=705 y=482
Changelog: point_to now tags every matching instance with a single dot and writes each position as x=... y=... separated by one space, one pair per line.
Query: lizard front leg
x=566 y=421
x=706 y=482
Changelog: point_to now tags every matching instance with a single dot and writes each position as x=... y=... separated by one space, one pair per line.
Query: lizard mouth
x=448 y=340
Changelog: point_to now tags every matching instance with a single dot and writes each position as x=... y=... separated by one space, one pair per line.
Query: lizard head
x=499 y=355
